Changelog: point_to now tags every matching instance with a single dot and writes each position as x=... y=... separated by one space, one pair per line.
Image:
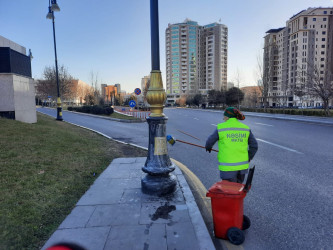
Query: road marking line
x=214 y=125
x=264 y=124
x=195 y=118
x=277 y=145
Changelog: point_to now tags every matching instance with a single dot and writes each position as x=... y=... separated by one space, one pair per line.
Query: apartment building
x=212 y=57
x=196 y=58
x=295 y=53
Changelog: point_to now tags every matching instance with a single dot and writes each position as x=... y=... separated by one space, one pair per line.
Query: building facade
x=109 y=93
x=196 y=59
x=297 y=53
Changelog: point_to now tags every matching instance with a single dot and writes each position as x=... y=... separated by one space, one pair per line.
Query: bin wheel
x=235 y=236
x=246 y=222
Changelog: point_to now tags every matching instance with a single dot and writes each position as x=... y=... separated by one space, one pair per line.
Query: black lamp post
x=158 y=166
x=53 y=6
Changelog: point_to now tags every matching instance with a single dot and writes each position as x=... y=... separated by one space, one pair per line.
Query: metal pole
x=158 y=166
x=155 y=43
x=59 y=108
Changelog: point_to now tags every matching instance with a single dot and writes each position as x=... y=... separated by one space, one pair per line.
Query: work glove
x=209 y=150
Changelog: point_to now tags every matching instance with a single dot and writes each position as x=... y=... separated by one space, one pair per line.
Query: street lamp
x=159 y=180
x=53 y=6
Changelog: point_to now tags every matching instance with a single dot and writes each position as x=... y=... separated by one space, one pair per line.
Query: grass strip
x=44 y=170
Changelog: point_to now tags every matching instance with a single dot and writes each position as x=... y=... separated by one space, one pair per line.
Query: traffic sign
x=132 y=103
x=137 y=91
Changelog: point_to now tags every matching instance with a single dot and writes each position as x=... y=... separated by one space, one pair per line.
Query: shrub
x=96 y=109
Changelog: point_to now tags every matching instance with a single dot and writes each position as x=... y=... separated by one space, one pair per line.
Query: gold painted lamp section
x=156 y=94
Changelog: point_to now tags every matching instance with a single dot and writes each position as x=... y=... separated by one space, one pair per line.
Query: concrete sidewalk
x=115 y=214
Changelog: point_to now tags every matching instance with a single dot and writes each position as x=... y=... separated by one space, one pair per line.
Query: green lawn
x=44 y=169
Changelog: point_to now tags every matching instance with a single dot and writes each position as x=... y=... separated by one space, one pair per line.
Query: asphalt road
x=291 y=201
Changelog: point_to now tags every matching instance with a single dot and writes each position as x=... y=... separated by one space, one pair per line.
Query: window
x=174 y=28
x=322 y=59
x=324 y=32
x=323 y=39
x=323 y=46
x=314 y=19
x=325 y=11
x=324 y=19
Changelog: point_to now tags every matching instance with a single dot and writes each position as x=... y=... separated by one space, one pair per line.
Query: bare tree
x=48 y=86
x=94 y=83
x=237 y=81
x=320 y=84
x=262 y=80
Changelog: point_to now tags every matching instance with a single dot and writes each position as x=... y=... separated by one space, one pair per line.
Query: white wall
x=6 y=93
x=17 y=93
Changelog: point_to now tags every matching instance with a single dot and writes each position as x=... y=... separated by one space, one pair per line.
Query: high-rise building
x=213 y=57
x=196 y=58
x=296 y=53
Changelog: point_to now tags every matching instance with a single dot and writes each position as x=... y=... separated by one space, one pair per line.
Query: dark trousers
x=233 y=176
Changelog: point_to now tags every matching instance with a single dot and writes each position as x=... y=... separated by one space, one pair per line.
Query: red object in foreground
x=227 y=207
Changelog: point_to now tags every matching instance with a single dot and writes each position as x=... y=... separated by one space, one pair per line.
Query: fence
x=134 y=113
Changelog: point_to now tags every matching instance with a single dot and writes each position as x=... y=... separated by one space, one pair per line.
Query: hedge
x=97 y=110
x=307 y=112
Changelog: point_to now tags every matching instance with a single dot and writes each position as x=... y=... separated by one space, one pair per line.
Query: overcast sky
x=112 y=38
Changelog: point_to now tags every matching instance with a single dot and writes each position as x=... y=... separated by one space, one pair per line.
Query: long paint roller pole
x=195 y=145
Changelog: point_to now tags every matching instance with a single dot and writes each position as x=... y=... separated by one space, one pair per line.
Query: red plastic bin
x=227 y=207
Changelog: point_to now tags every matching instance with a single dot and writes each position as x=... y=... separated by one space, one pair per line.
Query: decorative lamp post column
x=159 y=180
x=53 y=6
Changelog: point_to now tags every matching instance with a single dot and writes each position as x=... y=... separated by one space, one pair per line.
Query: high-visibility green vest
x=233 y=145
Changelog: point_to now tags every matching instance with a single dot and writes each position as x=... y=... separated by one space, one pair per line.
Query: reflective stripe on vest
x=238 y=129
x=234 y=164
x=233 y=145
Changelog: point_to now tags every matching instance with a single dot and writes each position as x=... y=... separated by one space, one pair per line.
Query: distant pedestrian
x=237 y=146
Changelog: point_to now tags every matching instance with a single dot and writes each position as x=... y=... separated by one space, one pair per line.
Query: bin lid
x=227 y=188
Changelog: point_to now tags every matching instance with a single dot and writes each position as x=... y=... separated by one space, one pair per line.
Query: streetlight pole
x=53 y=6
x=159 y=180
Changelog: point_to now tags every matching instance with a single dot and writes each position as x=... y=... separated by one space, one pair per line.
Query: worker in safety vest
x=237 y=146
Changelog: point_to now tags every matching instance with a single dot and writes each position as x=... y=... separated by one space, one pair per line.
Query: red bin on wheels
x=227 y=208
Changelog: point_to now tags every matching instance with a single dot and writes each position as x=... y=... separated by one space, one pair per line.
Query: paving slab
x=115 y=214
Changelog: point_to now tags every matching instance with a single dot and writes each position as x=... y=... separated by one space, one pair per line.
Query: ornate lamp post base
x=59 y=110
x=158 y=185
x=158 y=166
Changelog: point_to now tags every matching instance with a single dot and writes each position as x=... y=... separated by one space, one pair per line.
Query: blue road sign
x=132 y=103
x=137 y=91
